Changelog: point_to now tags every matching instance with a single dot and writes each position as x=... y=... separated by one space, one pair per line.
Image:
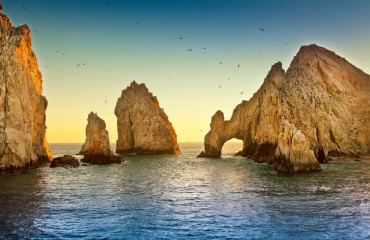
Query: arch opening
x=231 y=147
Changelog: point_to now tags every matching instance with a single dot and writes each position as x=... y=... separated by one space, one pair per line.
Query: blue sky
x=116 y=50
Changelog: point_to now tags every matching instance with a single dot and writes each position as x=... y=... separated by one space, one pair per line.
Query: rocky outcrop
x=292 y=153
x=23 y=144
x=67 y=161
x=143 y=127
x=322 y=94
x=96 y=149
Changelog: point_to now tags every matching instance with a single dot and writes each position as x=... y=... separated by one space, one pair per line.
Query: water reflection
x=182 y=197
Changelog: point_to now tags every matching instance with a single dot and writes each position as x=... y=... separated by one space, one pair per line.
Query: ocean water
x=182 y=197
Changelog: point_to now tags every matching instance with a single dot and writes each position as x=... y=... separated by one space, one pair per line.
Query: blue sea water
x=182 y=197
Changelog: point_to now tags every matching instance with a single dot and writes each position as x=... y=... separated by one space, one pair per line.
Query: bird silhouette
x=204 y=48
x=190 y=50
x=241 y=93
x=286 y=44
x=83 y=64
x=137 y=23
x=220 y=62
x=238 y=65
x=23 y=7
x=262 y=29
x=181 y=38
x=228 y=79
x=77 y=65
x=105 y=101
x=219 y=86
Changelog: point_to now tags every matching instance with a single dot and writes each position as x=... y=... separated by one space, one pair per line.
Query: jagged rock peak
x=96 y=149
x=97 y=139
x=4 y=18
x=322 y=94
x=143 y=126
x=23 y=143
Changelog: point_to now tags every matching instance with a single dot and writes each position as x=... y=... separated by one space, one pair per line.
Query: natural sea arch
x=231 y=147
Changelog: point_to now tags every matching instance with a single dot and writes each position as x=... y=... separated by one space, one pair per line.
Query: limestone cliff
x=22 y=107
x=322 y=94
x=143 y=127
x=96 y=148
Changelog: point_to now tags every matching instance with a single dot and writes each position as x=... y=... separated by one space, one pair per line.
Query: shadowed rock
x=67 y=161
x=23 y=143
x=143 y=126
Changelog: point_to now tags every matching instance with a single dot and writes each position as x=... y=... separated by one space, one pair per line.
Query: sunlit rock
x=322 y=94
x=143 y=126
x=96 y=149
x=292 y=153
x=23 y=143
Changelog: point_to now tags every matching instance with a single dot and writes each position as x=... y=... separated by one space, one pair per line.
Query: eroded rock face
x=96 y=149
x=322 y=94
x=67 y=161
x=292 y=153
x=143 y=127
x=23 y=143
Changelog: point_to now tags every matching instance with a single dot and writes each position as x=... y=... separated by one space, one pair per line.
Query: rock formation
x=96 y=149
x=22 y=107
x=143 y=127
x=322 y=94
x=67 y=161
x=292 y=153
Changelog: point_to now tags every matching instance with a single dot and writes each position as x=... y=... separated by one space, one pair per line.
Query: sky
x=120 y=41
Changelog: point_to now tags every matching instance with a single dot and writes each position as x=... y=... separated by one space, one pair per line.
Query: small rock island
x=23 y=144
x=143 y=126
x=318 y=109
x=96 y=149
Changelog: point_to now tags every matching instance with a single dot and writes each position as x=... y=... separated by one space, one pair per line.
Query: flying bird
x=220 y=62
x=228 y=79
x=286 y=44
x=137 y=23
x=219 y=86
x=23 y=7
x=77 y=65
x=83 y=64
x=262 y=29
x=238 y=65
x=204 y=48
x=241 y=93
x=181 y=38
x=105 y=101
x=190 y=50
